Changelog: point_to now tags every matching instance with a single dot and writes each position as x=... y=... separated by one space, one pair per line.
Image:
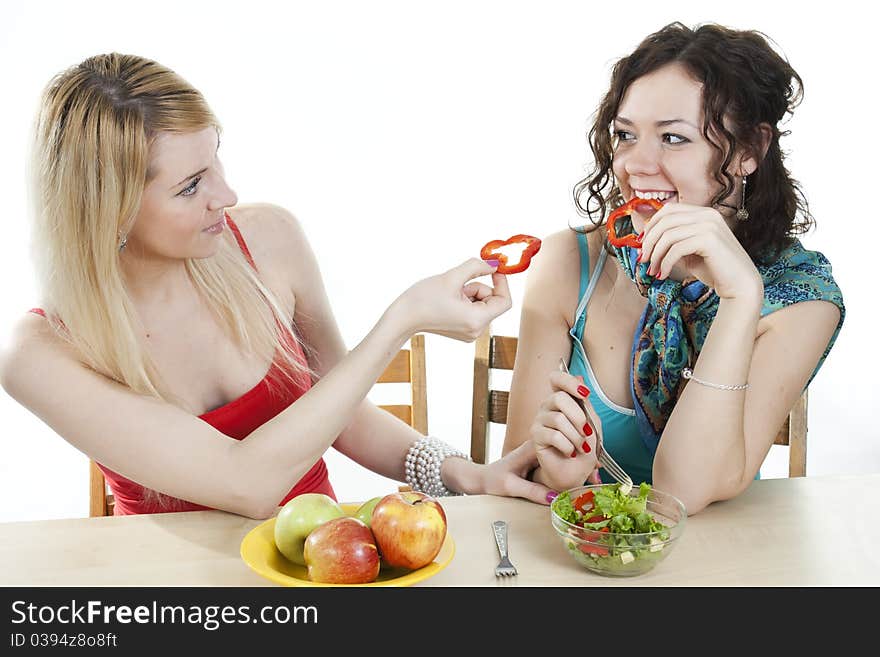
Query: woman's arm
x=376 y=439
x=550 y=297
x=162 y=447
x=541 y=407
x=716 y=440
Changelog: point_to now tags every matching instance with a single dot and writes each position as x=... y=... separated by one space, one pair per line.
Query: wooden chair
x=408 y=366
x=498 y=352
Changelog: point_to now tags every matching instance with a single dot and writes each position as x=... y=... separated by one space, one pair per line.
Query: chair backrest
x=498 y=352
x=408 y=366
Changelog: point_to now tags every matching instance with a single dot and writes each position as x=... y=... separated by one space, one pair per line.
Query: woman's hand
x=564 y=437
x=452 y=305
x=507 y=476
x=698 y=242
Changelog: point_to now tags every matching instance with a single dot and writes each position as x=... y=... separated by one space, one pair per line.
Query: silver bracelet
x=688 y=373
x=422 y=466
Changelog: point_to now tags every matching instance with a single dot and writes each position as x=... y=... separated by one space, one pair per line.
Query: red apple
x=409 y=527
x=342 y=551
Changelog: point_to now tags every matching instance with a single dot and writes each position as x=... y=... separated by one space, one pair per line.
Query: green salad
x=622 y=534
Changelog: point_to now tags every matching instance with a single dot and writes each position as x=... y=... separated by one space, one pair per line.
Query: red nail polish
x=588 y=430
x=574 y=454
x=586 y=447
x=639 y=259
x=641 y=236
x=583 y=391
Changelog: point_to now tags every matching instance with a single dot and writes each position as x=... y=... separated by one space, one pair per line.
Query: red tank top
x=237 y=419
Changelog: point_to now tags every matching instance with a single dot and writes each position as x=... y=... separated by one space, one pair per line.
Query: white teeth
x=659 y=196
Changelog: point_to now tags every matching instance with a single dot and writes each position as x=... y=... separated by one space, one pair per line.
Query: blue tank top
x=620 y=433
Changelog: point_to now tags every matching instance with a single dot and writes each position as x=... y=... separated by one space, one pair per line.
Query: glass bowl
x=623 y=554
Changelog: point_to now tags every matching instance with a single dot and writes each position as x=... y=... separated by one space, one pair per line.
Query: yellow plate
x=260 y=554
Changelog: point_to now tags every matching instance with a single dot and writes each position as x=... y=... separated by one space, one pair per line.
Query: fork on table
x=504 y=567
x=605 y=460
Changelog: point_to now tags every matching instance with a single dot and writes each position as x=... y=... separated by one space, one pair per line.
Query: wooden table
x=813 y=531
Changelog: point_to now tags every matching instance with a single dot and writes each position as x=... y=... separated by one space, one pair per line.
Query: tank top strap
x=587 y=283
x=238 y=238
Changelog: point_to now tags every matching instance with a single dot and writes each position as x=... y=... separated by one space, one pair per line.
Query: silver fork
x=504 y=567
x=605 y=460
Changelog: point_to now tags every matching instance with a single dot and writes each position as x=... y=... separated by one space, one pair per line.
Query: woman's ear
x=750 y=160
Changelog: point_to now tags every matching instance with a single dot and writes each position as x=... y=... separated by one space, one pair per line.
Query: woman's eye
x=671 y=138
x=623 y=135
x=190 y=189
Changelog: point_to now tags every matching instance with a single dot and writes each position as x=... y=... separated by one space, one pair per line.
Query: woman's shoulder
x=272 y=234
x=562 y=253
x=30 y=344
x=266 y=227
x=553 y=278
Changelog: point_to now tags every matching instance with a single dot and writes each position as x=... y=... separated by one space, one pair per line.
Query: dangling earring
x=742 y=214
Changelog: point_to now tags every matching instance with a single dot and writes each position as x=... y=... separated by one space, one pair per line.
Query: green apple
x=365 y=511
x=298 y=518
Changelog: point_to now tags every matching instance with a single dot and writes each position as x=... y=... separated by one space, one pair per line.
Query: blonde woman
x=186 y=344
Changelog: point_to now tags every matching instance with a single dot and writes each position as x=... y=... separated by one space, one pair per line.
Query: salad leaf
x=622 y=524
x=563 y=507
x=610 y=501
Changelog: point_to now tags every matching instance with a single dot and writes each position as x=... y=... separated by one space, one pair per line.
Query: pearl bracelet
x=422 y=465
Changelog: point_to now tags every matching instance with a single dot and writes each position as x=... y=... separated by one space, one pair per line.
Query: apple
x=342 y=551
x=409 y=527
x=365 y=511
x=298 y=518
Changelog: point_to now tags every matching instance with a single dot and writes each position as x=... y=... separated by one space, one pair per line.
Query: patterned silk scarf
x=678 y=315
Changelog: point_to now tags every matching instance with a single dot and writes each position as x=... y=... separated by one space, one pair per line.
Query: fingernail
x=639 y=259
x=551 y=495
x=586 y=446
x=574 y=454
x=588 y=431
x=641 y=236
x=493 y=263
x=583 y=391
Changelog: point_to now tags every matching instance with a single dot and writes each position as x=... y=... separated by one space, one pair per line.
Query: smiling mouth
x=661 y=196
x=216 y=226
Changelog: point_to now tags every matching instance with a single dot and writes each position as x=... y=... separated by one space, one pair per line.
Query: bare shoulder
x=26 y=355
x=279 y=247
x=268 y=230
x=555 y=272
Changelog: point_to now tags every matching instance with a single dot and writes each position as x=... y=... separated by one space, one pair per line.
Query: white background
x=405 y=135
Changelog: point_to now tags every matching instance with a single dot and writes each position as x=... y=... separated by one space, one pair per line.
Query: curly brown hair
x=746 y=82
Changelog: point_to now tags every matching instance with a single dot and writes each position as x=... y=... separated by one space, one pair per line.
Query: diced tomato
x=598 y=518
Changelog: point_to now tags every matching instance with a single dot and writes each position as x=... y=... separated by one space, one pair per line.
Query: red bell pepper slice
x=625 y=209
x=490 y=251
x=583 y=500
x=593 y=536
x=587 y=548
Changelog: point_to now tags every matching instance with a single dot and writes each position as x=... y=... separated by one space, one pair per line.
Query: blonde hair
x=93 y=135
